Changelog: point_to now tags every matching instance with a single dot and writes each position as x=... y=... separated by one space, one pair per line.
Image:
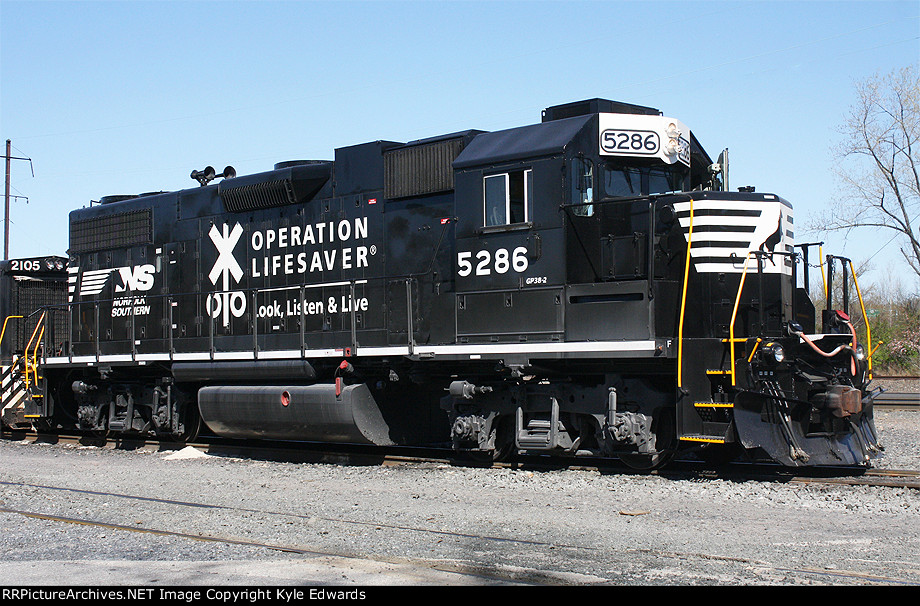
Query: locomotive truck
x=585 y=285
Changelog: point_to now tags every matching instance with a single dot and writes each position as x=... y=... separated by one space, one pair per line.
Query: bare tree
x=879 y=161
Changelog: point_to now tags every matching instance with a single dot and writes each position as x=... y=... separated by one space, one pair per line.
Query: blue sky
x=129 y=97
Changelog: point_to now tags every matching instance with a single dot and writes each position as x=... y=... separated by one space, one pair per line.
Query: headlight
x=673 y=144
x=779 y=354
x=860 y=353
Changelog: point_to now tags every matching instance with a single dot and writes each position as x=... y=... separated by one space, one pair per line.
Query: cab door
x=508 y=282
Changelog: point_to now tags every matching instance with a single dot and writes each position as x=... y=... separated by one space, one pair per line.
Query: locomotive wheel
x=100 y=434
x=647 y=462
x=720 y=454
x=478 y=457
x=665 y=436
x=505 y=447
x=192 y=424
x=43 y=426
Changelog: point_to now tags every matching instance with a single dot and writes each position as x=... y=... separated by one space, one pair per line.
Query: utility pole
x=6 y=216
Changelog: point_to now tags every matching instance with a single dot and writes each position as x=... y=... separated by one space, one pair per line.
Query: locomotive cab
x=644 y=316
x=562 y=259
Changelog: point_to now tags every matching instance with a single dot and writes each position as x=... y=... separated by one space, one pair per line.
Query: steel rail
x=344 y=454
x=532 y=577
x=524 y=577
x=906 y=401
x=271 y=513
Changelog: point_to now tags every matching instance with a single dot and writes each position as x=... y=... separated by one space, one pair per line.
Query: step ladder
x=22 y=392
x=15 y=393
x=715 y=414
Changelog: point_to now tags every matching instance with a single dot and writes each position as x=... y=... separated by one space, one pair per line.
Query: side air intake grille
x=120 y=230
x=257 y=195
x=420 y=169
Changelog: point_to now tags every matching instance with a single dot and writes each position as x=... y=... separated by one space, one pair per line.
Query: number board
x=644 y=136
x=36 y=265
x=641 y=142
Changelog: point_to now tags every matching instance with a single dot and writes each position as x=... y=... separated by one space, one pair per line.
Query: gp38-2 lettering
x=483 y=262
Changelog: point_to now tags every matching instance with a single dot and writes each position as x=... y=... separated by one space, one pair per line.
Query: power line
x=6 y=217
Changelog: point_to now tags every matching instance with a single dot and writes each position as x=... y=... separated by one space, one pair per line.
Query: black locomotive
x=583 y=285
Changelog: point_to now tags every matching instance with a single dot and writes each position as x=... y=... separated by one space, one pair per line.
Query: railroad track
x=337 y=454
x=902 y=401
x=435 y=570
x=892 y=478
x=480 y=574
x=897 y=400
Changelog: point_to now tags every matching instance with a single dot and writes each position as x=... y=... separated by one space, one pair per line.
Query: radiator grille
x=31 y=294
x=420 y=169
x=111 y=231
x=257 y=195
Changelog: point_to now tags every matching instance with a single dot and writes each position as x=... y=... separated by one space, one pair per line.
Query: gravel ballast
x=441 y=524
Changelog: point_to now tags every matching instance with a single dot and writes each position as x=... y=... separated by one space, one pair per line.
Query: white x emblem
x=226 y=262
x=226 y=302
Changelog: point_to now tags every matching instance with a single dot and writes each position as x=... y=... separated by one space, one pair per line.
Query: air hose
x=838 y=349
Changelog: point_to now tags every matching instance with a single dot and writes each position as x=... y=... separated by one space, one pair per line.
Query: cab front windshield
x=615 y=179
x=618 y=180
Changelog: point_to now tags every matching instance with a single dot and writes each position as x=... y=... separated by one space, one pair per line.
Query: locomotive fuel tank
x=317 y=413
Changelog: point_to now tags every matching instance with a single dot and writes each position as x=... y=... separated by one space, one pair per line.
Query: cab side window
x=582 y=187
x=507 y=197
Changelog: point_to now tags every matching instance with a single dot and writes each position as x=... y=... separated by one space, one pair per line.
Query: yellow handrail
x=41 y=325
x=731 y=326
x=731 y=329
x=754 y=349
x=869 y=350
x=2 y=332
x=35 y=354
x=683 y=301
x=823 y=277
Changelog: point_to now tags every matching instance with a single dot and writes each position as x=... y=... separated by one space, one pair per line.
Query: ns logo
x=137 y=278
